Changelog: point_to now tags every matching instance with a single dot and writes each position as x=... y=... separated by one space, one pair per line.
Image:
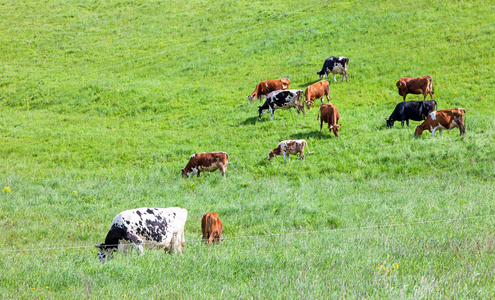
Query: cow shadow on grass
x=306 y=84
x=254 y=120
x=315 y=135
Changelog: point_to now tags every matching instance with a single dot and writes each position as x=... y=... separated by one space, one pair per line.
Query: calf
x=330 y=115
x=334 y=65
x=417 y=85
x=317 y=91
x=286 y=148
x=212 y=228
x=207 y=161
x=155 y=228
x=282 y=99
x=264 y=88
x=443 y=119
x=411 y=110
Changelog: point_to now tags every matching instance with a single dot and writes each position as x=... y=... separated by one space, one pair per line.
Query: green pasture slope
x=103 y=102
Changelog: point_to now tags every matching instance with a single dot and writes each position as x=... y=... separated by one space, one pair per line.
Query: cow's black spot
x=114 y=235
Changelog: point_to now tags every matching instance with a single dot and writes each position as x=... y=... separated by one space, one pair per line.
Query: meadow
x=102 y=104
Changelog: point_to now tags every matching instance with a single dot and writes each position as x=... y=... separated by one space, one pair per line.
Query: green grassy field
x=102 y=104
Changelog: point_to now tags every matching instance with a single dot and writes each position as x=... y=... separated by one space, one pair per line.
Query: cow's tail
x=309 y=152
x=430 y=86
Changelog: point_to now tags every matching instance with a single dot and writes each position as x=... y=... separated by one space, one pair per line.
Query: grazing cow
x=282 y=99
x=411 y=110
x=317 y=91
x=334 y=65
x=443 y=119
x=330 y=115
x=264 y=88
x=153 y=228
x=206 y=161
x=417 y=85
x=286 y=148
x=212 y=228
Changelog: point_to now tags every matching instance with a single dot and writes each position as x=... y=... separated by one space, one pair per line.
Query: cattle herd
x=163 y=228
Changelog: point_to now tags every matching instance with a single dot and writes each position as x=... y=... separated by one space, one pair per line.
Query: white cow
x=153 y=228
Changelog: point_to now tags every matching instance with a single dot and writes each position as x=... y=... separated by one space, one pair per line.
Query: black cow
x=282 y=99
x=411 y=110
x=334 y=65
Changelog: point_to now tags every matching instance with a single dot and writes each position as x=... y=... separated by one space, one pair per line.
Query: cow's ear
x=339 y=125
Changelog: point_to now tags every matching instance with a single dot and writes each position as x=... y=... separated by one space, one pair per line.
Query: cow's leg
x=335 y=79
x=301 y=155
x=223 y=169
x=441 y=133
x=346 y=76
x=137 y=242
x=271 y=112
x=321 y=124
x=407 y=122
x=402 y=123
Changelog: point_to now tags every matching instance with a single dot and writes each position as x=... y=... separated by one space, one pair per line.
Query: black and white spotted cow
x=282 y=99
x=334 y=65
x=153 y=228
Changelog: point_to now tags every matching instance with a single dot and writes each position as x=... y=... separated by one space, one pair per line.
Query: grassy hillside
x=102 y=104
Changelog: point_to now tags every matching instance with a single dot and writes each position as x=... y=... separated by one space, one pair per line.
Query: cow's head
x=261 y=111
x=105 y=253
x=390 y=123
x=184 y=173
x=251 y=97
x=271 y=155
x=335 y=129
x=321 y=73
x=401 y=85
x=418 y=131
x=309 y=104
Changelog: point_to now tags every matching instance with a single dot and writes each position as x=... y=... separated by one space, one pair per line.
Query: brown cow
x=212 y=228
x=207 y=161
x=317 y=91
x=330 y=115
x=286 y=148
x=417 y=85
x=264 y=88
x=443 y=119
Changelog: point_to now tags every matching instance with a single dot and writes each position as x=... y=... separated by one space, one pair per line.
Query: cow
x=206 y=161
x=335 y=65
x=153 y=228
x=411 y=110
x=317 y=91
x=443 y=119
x=282 y=99
x=212 y=228
x=330 y=115
x=285 y=148
x=417 y=85
x=264 y=88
